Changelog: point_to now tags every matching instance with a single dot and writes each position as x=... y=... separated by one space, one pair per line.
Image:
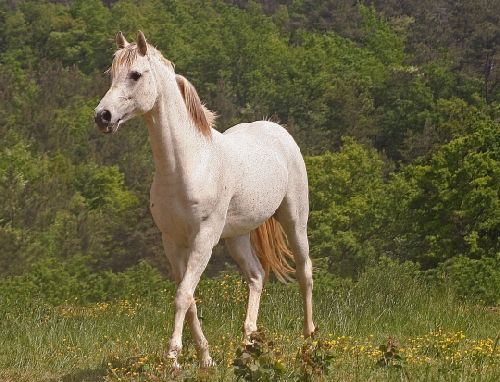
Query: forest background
x=395 y=105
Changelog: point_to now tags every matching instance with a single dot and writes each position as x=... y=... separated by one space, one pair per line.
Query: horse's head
x=139 y=74
x=133 y=88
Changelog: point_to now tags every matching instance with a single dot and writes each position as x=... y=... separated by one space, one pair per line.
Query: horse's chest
x=170 y=215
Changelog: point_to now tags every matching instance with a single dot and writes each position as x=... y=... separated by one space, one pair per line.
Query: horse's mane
x=201 y=116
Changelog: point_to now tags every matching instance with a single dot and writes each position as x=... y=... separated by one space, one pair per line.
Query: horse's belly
x=255 y=201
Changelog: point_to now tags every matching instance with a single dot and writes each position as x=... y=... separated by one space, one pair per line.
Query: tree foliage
x=396 y=105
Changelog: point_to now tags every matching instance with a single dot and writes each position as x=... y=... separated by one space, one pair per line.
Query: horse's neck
x=176 y=144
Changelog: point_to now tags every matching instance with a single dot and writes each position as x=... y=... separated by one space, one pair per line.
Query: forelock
x=125 y=57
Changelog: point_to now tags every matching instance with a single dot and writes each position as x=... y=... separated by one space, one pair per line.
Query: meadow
x=392 y=324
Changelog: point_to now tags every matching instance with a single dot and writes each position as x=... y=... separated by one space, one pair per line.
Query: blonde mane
x=201 y=116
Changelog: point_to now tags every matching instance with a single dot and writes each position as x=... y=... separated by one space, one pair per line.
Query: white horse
x=248 y=186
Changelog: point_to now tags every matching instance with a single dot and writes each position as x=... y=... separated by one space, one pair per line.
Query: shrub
x=477 y=279
x=259 y=360
x=56 y=282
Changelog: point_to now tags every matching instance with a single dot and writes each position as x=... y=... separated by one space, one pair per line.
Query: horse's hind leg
x=178 y=259
x=240 y=249
x=292 y=214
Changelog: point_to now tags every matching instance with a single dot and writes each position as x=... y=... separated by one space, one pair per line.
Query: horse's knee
x=183 y=299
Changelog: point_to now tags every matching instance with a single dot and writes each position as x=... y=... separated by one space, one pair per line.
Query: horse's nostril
x=103 y=119
x=106 y=116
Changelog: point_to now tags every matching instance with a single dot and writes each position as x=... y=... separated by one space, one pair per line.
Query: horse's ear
x=120 y=40
x=142 y=45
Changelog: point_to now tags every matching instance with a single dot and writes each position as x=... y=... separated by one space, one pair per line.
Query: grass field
x=387 y=326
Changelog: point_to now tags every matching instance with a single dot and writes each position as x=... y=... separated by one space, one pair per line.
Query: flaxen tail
x=269 y=243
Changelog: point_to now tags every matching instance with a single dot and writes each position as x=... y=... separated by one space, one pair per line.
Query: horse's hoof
x=310 y=332
x=207 y=363
x=172 y=355
x=176 y=365
x=247 y=337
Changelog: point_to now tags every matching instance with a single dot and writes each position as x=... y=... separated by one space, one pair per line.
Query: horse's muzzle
x=103 y=120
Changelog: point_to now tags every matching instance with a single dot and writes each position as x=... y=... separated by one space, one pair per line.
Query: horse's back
x=262 y=137
x=260 y=131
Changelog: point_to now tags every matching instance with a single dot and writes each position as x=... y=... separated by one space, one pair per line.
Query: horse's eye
x=135 y=75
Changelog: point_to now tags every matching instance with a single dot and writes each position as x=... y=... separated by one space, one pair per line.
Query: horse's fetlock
x=249 y=328
x=174 y=349
x=309 y=329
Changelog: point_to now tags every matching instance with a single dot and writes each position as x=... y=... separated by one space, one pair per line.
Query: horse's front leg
x=178 y=259
x=197 y=259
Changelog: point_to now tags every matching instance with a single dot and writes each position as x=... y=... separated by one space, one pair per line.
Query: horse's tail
x=270 y=245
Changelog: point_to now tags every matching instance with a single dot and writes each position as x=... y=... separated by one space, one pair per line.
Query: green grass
x=437 y=336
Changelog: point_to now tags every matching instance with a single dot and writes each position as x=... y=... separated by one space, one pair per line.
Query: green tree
x=451 y=205
x=345 y=188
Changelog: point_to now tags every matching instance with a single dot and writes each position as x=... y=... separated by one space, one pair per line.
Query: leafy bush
x=477 y=279
x=55 y=282
x=315 y=360
x=259 y=360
